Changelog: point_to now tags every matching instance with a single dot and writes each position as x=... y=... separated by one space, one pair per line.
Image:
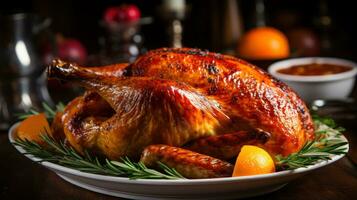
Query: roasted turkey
x=201 y=101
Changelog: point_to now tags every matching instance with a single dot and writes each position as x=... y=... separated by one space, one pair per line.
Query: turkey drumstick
x=189 y=164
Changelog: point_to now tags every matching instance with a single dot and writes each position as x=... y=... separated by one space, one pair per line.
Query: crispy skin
x=227 y=146
x=81 y=120
x=57 y=127
x=190 y=164
x=116 y=70
x=248 y=95
x=240 y=97
x=147 y=111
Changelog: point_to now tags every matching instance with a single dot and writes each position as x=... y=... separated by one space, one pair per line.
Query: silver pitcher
x=22 y=85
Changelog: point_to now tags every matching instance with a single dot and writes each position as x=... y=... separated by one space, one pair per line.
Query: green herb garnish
x=58 y=152
x=327 y=142
x=49 y=112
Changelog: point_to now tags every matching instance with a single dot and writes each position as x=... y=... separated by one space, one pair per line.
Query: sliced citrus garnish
x=33 y=127
x=253 y=160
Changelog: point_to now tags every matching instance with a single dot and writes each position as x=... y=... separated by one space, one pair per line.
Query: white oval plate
x=217 y=188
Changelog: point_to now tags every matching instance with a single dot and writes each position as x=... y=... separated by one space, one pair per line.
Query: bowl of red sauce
x=317 y=77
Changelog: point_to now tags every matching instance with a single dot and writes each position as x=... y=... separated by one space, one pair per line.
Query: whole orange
x=264 y=43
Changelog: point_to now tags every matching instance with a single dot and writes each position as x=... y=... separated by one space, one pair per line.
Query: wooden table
x=21 y=178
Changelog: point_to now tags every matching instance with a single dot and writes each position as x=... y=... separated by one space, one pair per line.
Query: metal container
x=21 y=84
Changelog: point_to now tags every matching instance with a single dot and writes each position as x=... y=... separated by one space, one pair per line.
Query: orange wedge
x=32 y=128
x=253 y=160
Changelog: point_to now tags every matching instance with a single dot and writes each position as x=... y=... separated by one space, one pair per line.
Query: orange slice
x=253 y=160
x=32 y=127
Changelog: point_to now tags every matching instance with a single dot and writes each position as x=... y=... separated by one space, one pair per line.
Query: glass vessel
x=122 y=43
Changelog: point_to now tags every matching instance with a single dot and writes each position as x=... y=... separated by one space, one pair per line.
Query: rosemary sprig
x=327 y=142
x=58 y=152
x=49 y=112
x=134 y=170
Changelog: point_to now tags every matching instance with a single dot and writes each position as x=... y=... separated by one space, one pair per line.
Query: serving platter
x=148 y=189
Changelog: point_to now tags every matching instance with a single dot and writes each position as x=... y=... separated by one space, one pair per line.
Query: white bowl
x=334 y=86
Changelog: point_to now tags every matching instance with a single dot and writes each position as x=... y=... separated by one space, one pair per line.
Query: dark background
x=203 y=28
x=203 y=25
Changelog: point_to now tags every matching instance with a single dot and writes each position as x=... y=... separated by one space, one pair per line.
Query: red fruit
x=304 y=42
x=72 y=50
x=124 y=13
x=132 y=12
x=111 y=14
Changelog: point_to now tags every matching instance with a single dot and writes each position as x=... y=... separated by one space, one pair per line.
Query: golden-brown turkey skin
x=247 y=94
x=115 y=70
x=81 y=119
x=188 y=163
x=57 y=127
x=227 y=146
x=147 y=111
x=251 y=98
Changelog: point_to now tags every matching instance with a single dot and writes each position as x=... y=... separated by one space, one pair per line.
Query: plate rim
x=99 y=177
